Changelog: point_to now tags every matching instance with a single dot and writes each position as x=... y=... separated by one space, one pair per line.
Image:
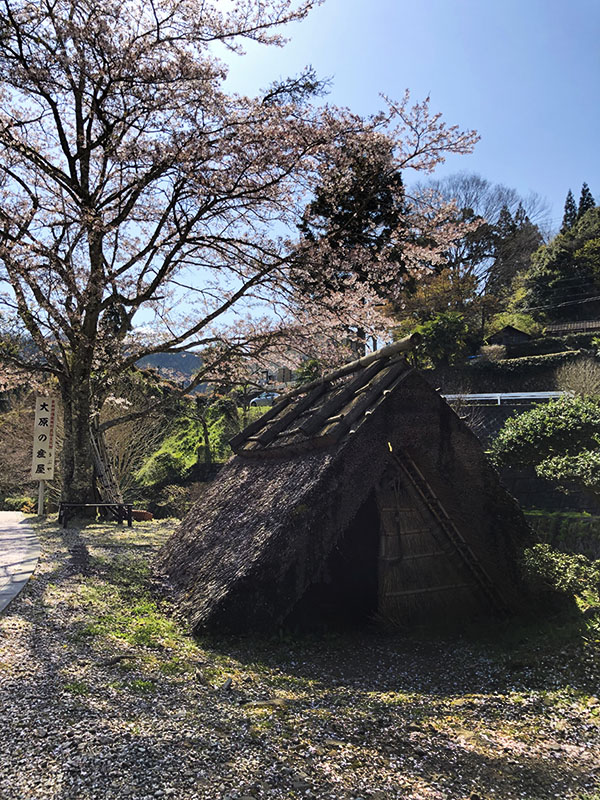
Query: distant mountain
x=175 y=366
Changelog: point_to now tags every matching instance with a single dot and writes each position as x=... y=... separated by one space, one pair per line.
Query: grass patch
x=364 y=708
x=175 y=666
x=112 y=608
x=141 y=686
x=126 y=614
x=78 y=688
x=118 y=604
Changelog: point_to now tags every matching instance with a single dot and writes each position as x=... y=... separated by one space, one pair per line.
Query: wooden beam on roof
x=385 y=352
x=297 y=408
x=381 y=382
x=293 y=449
x=259 y=423
x=386 y=393
x=401 y=346
x=338 y=400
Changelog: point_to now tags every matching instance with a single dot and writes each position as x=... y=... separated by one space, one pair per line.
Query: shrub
x=581 y=376
x=24 y=503
x=493 y=352
x=518 y=319
x=582 y=468
x=564 y=572
x=547 y=344
x=562 y=427
x=444 y=338
x=173 y=501
x=163 y=467
x=186 y=444
x=511 y=365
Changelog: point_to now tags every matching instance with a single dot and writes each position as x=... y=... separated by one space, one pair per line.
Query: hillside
x=176 y=366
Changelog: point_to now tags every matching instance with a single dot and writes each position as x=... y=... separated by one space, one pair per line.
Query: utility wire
x=560 y=305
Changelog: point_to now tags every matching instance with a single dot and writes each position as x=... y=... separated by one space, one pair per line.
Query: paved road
x=19 y=553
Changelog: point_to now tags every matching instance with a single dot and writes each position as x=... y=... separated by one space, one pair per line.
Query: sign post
x=40 y=508
x=44 y=445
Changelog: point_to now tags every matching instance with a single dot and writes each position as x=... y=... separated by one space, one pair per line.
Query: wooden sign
x=44 y=439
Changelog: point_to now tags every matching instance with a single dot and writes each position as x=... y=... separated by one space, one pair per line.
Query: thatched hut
x=361 y=495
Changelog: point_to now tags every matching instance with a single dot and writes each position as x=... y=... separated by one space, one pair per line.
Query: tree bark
x=77 y=461
x=79 y=485
x=207 y=451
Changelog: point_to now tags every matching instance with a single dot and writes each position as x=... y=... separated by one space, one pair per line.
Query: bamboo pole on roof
x=401 y=346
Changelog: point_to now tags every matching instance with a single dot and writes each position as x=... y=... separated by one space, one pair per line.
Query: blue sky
x=524 y=73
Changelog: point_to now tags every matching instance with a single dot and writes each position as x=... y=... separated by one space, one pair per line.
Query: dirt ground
x=104 y=695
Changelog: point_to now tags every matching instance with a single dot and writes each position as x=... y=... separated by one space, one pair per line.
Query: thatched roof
x=249 y=549
x=322 y=413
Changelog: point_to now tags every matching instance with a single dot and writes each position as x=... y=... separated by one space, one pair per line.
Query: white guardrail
x=506 y=398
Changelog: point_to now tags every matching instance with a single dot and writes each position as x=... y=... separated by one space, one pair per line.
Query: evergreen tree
x=565 y=274
x=506 y=225
x=570 y=215
x=359 y=204
x=586 y=201
x=516 y=239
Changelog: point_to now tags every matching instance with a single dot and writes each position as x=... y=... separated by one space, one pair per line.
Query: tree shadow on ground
x=358 y=715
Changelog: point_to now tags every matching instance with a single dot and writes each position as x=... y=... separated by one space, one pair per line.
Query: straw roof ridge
x=322 y=413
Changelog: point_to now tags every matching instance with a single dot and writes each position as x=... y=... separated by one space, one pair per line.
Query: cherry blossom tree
x=143 y=209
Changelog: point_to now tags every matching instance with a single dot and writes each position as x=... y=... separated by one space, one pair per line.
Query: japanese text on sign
x=44 y=441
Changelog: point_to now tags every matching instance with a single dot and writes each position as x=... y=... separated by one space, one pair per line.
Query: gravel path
x=103 y=697
x=19 y=553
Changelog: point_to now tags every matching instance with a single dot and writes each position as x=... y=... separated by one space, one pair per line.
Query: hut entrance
x=346 y=592
x=419 y=580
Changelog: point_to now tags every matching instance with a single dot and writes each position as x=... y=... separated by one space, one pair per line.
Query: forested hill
x=177 y=366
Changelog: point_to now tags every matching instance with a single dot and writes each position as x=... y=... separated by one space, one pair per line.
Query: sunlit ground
x=104 y=695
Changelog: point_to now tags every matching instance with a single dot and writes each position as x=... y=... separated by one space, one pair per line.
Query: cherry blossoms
x=144 y=210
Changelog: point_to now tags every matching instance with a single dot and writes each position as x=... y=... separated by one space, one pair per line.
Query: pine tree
x=570 y=216
x=586 y=201
x=506 y=225
x=360 y=204
x=563 y=277
x=517 y=238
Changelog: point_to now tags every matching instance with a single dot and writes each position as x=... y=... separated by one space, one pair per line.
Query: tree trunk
x=77 y=460
x=207 y=450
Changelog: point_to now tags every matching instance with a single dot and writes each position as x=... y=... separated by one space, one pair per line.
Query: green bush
x=551 y=345
x=186 y=444
x=582 y=468
x=518 y=319
x=444 y=338
x=162 y=467
x=564 y=572
x=563 y=427
x=24 y=503
x=508 y=365
x=223 y=420
x=173 y=501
